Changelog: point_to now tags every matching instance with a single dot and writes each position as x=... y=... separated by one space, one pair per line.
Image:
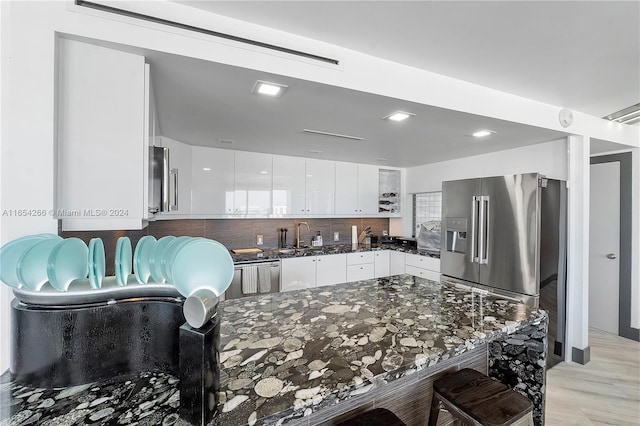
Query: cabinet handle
x=174 y=205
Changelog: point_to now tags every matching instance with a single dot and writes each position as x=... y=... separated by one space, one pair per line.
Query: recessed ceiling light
x=263 y=172
x=206 y=169
x=381 y=159
x=482 y=133
x=269 y=89
x=399 y=116
x=314 y=151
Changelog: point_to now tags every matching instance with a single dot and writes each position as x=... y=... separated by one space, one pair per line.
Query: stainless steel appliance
x=163 y=181
x=254 y=278
x=508 y=235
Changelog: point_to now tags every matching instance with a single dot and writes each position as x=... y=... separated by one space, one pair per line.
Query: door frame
x=625 y=255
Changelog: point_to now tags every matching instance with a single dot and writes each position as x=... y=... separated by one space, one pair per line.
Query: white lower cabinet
x=312 y=271
x=360 y=272
x=360 y=266
x=423 y=266
x=297 y=273
x=396 y=262
x=331 y=269
x=382 y=263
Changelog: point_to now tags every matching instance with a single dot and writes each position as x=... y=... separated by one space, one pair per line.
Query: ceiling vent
x=187 y=27
x=333 y=135
x=630 y=115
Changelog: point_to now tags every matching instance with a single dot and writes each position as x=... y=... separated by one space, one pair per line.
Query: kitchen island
x=306 y=356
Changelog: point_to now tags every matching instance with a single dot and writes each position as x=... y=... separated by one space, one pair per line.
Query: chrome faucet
x=298 y=241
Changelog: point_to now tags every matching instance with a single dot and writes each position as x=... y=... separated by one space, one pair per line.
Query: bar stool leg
x=435 y=410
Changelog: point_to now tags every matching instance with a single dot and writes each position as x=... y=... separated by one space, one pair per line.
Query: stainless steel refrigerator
x=507 y=234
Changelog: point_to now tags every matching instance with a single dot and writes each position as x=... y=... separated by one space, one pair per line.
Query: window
x=426 y=206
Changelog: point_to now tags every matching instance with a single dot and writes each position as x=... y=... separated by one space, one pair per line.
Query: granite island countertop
x=287 y=355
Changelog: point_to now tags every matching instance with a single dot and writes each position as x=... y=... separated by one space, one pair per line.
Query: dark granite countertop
x=269 y=254
x=286 y=355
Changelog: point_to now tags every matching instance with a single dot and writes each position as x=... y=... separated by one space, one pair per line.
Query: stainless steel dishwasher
x=254 y=278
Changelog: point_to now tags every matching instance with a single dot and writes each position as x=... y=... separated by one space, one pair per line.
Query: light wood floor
x=605 y=391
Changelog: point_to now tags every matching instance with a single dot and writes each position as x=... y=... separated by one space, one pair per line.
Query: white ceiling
x=580 y=55
x=202 y=102
x=583 y=55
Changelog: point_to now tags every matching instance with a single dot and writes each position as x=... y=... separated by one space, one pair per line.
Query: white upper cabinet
x=180 y=159
x=212 y=186
x=367 y=189
x=253 y=182
x=346 y=188
x=320 y=187
x=356 y=189
x=288 y=185
x=102 y=141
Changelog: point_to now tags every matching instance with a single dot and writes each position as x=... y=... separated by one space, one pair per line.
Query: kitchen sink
x=303 y=251
x=287 y=251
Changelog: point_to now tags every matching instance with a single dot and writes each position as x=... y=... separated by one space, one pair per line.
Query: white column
x=578 y=246
x=635 y=239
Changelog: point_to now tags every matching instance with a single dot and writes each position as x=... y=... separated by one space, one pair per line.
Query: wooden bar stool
x=475 y=399
x=376 y=417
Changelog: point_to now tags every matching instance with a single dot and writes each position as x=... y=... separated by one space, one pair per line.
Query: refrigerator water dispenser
x=456 y=234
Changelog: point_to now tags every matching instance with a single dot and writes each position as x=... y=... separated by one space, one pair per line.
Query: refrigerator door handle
x=484 y=224
x=481 y=234
x=475 y=203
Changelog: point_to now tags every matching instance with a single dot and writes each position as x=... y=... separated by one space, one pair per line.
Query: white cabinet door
x=346 y=188
x=253 y=181
x=298 y=273
x=356 y=188
x=331 y=269
x=424 y=262
x=101 y=142
x=212 y=189
x=396 y=262
x=360 y=272
x=179 y=177
x=423 y=273
x=360 y=257
x=320 y=186
x=423 y=266
x=288 y=185
x=382 y=259
x=367 y=189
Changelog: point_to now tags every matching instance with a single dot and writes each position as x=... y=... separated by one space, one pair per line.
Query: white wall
x=548 y=158
x=28 y=89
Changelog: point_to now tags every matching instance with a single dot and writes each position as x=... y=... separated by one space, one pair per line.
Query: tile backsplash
x=237 y=233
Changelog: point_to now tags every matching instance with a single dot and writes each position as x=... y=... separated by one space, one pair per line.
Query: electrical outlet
x=336 y=236
x=259 y=240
